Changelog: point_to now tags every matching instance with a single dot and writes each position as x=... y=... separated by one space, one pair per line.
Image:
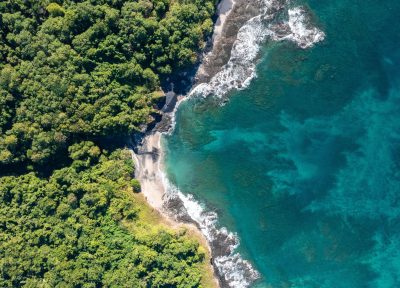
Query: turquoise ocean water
x=304 y=165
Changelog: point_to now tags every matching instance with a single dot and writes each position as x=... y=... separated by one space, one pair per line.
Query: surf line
x=241 y=29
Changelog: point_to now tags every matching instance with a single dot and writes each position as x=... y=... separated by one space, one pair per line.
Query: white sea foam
x=236 y=271
x=300 y=32
x=241 y=67
x=236 y=75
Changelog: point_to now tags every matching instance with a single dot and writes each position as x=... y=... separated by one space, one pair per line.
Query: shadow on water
x=304 y=163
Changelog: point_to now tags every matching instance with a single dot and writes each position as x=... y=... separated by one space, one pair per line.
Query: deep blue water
x=305 y=164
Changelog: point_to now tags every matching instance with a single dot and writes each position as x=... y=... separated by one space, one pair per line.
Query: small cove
x=303 y=164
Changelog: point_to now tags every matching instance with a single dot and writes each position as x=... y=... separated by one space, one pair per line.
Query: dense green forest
x=75 y=75
x=72 y=230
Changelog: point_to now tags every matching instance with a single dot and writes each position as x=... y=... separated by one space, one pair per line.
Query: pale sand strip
x=148 y=161
x=149 y=157
x=148 y=172
x=224 y=8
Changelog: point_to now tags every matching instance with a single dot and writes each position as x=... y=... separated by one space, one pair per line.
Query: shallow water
x=304 y=163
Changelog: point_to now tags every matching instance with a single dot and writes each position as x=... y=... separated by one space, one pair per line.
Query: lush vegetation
x=81 y=228
x=76 y=69
x=75 y=74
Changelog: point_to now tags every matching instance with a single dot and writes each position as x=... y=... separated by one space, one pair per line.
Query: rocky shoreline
x=228 y=64
x=232 y=15
x=240 y=12
x=148 y=153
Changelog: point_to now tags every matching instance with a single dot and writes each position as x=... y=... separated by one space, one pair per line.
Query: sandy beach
x=148 y=172
x=148 y=162
x=180 y=209
x=148 y=155
x=224 y=8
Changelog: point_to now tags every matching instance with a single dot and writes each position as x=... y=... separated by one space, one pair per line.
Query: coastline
x=224 y=8
x=149 y=154
x=148 y=157
x=229 y=64
x=148 y=170
x=148 y=163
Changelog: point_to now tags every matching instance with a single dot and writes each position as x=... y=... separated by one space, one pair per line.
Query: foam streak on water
x=233 y=270
x=237 y=74
x=240 y=69
x=304 y=164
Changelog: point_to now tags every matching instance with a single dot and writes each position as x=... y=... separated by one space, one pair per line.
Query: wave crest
x=238 y=72
x=233 y=270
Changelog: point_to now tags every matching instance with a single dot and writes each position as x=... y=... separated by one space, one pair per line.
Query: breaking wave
x=232 y=269
x=236 y=74
x=241 y=67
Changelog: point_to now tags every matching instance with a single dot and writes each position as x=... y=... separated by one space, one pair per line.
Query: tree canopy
x=73 y=75
x=75 y=69
x=75 y=230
